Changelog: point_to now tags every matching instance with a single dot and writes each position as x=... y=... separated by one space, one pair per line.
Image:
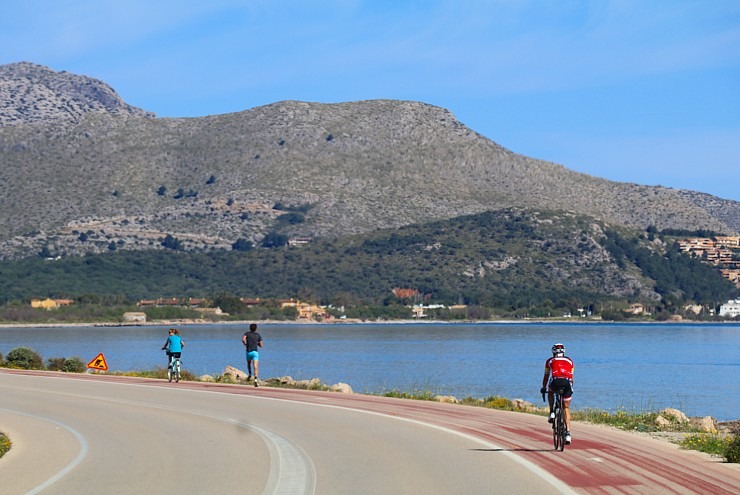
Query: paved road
x=96 y=433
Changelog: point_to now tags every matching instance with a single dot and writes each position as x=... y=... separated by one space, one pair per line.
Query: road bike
x=173 y=371
x=558 y=424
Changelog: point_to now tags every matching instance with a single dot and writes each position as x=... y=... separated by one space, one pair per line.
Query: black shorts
x=564 y=384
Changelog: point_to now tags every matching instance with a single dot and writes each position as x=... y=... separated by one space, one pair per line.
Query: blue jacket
x=174 y=343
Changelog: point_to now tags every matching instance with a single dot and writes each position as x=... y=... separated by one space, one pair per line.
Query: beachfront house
x=730 y=309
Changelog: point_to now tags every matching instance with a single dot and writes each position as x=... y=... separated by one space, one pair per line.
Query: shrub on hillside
x=24 y=358
x=55 y=364
x=71 y=365
x=732 y=454
x=74 y=365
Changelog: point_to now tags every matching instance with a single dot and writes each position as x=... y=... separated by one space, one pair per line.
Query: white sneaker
x=567 y=438
x=551 y=418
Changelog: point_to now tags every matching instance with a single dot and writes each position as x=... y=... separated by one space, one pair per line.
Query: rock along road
x=111 y=434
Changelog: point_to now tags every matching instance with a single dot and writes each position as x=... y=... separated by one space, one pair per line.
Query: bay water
x=632 y=367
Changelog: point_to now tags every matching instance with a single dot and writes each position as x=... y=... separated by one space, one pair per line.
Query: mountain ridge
x=120 y=175
x=33 y=93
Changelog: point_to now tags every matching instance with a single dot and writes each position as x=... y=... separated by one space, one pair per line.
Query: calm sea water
x=695 y=368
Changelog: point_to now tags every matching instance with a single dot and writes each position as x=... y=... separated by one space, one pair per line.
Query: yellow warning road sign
x=98 y=363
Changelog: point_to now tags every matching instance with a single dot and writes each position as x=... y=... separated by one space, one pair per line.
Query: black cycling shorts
x=563 y=383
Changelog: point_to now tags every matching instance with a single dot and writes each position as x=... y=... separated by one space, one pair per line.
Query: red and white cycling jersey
x=559 y=367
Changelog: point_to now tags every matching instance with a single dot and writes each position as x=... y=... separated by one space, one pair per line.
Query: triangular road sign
x=98 y=363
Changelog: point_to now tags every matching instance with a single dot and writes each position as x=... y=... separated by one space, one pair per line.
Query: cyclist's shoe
x=567 y=438
x=250 y=378
x=256 y=382
x=551 y=418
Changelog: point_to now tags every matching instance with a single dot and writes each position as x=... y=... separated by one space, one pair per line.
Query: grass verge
x=629 y=421
x=710 y=443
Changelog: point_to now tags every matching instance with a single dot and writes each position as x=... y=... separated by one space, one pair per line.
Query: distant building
x=635 y=309
x=306 y=311
x=49 y=304
x=730 y=309
x=418 y=312
x=134 y=317
x=311 y=312
x=694 y=308
x=211 y=311
x=46 y=304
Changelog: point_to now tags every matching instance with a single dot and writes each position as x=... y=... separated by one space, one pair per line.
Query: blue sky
x=635 y=91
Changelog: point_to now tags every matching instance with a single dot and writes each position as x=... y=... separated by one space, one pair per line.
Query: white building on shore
x=730 y=309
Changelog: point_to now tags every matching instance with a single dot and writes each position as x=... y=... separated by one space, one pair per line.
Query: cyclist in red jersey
x=559 y=374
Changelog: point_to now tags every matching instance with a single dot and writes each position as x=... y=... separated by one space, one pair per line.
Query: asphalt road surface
x=117 y=435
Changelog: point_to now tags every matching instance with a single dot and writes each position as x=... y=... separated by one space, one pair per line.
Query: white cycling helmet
x=558 y=349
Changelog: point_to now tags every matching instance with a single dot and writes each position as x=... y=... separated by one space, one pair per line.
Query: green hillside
x=510 y=262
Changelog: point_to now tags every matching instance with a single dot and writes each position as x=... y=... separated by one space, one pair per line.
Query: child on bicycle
x=559 y=374
x=173 y=345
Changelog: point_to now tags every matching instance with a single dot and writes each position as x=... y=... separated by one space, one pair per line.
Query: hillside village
x=304 y=311
x=720 y=251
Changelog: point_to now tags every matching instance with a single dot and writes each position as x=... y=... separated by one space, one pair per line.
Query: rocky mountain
x=31 y=93
x=82 y=171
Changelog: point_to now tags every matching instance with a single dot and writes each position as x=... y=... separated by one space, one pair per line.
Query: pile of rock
x=312 y=384
x=235 y=375
x=670 y=417
x=729 y=427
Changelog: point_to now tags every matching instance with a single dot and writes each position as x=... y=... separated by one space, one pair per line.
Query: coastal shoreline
x=349 y=322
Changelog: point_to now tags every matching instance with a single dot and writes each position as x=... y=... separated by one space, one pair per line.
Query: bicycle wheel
x=556 y=428
x=560 y=420
x=169 y=374
x=561 y=436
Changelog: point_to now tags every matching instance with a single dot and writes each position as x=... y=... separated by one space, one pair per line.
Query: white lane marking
x=596 y=459
x=69 y=467
x=533 y=468
x=291 y=470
